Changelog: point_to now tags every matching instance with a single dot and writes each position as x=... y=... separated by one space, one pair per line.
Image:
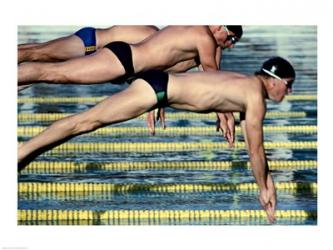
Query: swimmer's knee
x=88 y=126
x=85 y=125
x=52 y=72
x=37 y=53
x=77 y=124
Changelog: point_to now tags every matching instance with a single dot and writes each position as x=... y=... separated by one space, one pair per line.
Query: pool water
x=298 y=43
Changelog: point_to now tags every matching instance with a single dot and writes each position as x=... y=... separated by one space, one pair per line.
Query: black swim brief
x=124 y=53
x=158 y=80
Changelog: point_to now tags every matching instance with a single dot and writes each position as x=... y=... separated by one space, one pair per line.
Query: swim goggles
x=232 y=38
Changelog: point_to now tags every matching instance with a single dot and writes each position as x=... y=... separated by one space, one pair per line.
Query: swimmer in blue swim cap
x=83 y=42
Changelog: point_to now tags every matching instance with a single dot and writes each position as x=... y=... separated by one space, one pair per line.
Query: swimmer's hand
x=151 y=121
x=226 y=123
x=161 y=117
x=267 y=198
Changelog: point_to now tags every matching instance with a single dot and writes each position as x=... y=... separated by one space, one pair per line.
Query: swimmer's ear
x=273 y=82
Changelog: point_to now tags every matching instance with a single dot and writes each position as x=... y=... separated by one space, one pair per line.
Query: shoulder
x=255 y=95
x=202 y=33
x=254 y=87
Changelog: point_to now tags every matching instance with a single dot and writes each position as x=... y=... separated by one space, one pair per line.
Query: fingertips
x=224 y=131
x=152 y=131
x=230 y=141
x=270 y=216
x=271 y=213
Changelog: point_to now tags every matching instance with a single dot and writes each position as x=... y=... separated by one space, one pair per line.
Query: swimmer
x=173 y=49
x=196 y=92
x=83 y=42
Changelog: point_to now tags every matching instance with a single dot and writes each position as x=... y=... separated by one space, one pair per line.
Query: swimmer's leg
x=60 y=49
x=99 y=67
x=128 y=104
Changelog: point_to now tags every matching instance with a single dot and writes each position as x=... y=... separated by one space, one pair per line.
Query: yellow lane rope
x=141 y=131
x=73 y=167
x=99 y=98
x=23 y=117
x=170 y=146
x=79 y=187
x=156 y=216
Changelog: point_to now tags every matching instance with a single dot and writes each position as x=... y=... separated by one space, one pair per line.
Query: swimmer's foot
x=22 y=87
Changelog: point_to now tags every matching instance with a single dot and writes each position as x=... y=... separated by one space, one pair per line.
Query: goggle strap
x=275 y=76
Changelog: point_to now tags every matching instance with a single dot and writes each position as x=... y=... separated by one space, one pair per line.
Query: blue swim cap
x=280 y=67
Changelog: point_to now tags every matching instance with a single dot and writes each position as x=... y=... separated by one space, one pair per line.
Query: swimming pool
x=156 y=182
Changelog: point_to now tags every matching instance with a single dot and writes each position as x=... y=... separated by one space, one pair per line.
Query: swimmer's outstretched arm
x=254 y=141
x=218 y=57
x=243 y=128
x=138 y=98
